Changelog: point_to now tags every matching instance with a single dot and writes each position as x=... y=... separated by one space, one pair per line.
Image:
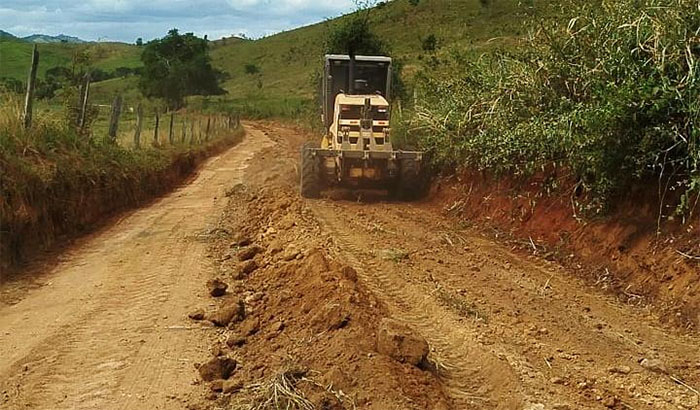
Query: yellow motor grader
x=356 y=151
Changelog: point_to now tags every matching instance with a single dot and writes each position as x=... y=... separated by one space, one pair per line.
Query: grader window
x=350 y=112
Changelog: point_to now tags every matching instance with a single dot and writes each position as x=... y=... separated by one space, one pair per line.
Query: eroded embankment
x=627 y=252
x=311 y=282
x=38 y=213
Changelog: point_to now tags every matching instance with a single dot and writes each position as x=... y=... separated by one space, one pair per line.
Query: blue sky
x=126 y=20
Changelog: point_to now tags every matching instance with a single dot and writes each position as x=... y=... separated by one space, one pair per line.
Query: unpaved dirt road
x=506 y=330
x=106 y=328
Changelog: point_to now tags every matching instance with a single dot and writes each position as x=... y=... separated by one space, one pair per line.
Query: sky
x=127 y=20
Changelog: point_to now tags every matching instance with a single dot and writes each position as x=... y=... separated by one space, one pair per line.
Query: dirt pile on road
x=309 y=332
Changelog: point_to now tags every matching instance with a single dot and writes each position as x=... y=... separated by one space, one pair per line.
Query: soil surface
x=327 y=304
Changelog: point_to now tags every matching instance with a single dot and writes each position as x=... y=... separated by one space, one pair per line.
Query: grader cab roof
x=340 y=76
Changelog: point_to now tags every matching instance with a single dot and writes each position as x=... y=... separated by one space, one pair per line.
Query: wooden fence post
x=206 y=136
x=155 y=132
x=170 y=131
x=114 y=118
x=84 y=103
x=31 y=82
x=139 y=124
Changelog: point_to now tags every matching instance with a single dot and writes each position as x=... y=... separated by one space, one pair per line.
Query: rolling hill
x=287 y=60
x=61 y=38
x=15 y=56
x=6 y=35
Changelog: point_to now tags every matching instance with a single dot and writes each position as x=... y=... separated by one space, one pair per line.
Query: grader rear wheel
x=408 y=186
x=310 y=178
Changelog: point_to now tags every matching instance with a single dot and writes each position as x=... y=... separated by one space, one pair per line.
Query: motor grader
x=356 y=150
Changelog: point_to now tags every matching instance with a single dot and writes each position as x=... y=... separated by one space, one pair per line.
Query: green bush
x=610 y=96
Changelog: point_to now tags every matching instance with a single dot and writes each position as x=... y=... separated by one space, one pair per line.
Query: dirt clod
x=218 y=368
x=620 y=369
x=235 y=341
x=248 y=253
x=217 y=287
x=232 y=386
x=217 y=386
x=241 y=240
x=331 y=317
x=197 y=315
x=232 y=310
x=248 y=267
x=250 y=326
x=349 y=273
x=654 y=365
x=401 y=343
x=290 y=254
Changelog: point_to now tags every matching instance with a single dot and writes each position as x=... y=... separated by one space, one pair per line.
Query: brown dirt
x=506 y=329
x=630 y=253
x=108 y=328
x=50 y=216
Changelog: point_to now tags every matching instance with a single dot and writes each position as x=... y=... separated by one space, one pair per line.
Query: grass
x=288 y=61
x=56 y=181
x=598 y=100
x=16 y=56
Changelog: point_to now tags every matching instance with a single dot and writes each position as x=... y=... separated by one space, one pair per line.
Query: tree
x=353 y=35
x=139 y=42
x=177 y=66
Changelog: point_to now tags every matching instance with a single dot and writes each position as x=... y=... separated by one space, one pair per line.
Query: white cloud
x=126 y=20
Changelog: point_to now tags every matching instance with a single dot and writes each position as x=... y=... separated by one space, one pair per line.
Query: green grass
x=15 y=56
x=287 y=61
x=56 y=181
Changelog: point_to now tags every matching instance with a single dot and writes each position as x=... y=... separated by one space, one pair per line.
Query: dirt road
x=107 y=328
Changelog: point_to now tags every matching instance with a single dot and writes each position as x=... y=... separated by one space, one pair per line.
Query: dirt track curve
x=106 y=328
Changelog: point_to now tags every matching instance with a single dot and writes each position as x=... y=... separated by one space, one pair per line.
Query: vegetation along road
x=108 y=326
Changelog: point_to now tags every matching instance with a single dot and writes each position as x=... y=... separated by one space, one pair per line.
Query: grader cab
x=356 y=150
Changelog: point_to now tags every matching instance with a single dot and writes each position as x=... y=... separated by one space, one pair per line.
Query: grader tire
x=408 y=186
x=310 y=179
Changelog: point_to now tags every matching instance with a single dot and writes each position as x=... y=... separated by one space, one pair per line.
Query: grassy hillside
x=288 y=60
x=15 y=56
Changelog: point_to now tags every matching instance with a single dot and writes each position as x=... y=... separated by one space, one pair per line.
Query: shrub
x=251 y=69
x=610 y=95
x=429 y=43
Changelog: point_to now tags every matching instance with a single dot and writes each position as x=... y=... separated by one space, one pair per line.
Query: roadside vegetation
x=600 y=98
x=61 y=176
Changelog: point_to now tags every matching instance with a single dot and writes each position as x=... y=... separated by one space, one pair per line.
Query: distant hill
x=6 y=35
x=61 y=38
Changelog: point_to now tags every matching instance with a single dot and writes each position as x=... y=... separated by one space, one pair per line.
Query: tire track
x=99 y=335
x=451 y=341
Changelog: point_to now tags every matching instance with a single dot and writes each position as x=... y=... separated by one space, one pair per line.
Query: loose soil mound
x=310 y=329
